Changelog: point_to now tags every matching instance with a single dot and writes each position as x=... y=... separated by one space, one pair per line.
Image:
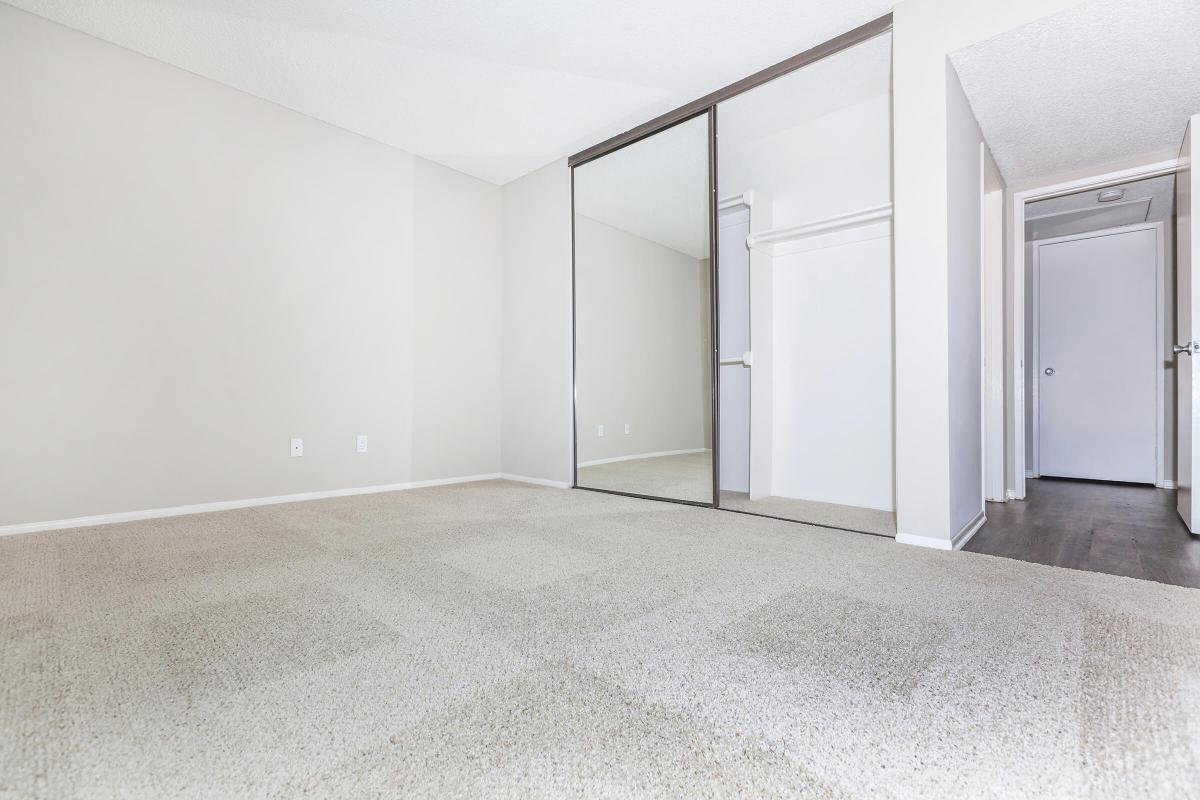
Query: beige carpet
x=853 y=518
x=686 y=476
x=501 y=640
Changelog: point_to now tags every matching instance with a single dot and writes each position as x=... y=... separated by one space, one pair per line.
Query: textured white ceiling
x=1102 y=82
x=1149 y=200
x=494 y=89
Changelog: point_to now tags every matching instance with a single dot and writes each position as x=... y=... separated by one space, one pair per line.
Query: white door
x=1097 y=358
x=1187 y=232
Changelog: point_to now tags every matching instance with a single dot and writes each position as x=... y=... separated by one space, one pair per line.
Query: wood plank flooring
x=1102 y=527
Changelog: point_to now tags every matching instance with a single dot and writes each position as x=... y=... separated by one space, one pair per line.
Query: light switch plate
x=297 y=447
x=360 y=445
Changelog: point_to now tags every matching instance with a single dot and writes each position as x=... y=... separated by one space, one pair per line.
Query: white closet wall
x=733 y=227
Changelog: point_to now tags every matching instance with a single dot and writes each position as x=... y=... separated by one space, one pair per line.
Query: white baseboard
x=961 y=538
x=1169 y=484
x=229 y=505
x=1028 y=473
x=508 y=476
x=924 y=541
x=970 y=529
x=637 y=456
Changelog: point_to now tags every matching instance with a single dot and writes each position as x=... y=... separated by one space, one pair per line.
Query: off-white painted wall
x=925 y=32
x=994 y=449
x=190 y=276
x=456 y=305
x=964 y=190
x=642 y=354
x=536 y=438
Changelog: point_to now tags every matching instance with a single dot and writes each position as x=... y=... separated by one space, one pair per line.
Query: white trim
x=969 y=530
x=735 y=200
x=638 y=456
x=229 y=505
x=1145 y=202
x=1017 y=324
x=508 y=476
x=932 y=542
x=1169 y=484
x=1012 y=494
x=821 y=226
x=937 y=543
x=1160 y=315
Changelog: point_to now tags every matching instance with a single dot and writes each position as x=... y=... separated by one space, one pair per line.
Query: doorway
x=1098 y=328
x=1100 y=380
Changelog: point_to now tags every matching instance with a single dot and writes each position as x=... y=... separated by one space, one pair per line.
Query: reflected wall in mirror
x=643 y=313
x=804 y=171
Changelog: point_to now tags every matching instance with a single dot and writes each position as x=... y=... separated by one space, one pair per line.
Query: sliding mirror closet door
x=805 y=301
x=643 y=314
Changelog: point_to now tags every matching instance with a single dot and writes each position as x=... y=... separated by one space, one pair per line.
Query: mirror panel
x=643 y=317
x=805 y=175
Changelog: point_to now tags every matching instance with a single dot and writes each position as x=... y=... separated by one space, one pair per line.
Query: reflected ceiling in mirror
x=643 y=311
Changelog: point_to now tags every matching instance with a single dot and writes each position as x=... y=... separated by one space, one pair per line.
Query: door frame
x=1015 y=391
x=1160 y=315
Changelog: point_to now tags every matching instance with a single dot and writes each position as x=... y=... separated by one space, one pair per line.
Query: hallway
x=1118 y=529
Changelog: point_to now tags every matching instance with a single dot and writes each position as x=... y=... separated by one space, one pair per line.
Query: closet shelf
x=827 y=225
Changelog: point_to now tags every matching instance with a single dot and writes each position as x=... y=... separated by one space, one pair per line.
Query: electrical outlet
x=297 y=447
x=628 y=429
x=600 y=431
x=360 y=445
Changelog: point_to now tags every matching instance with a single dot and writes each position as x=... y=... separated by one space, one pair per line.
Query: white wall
x=994 y=317
x=964 y=247
x=190 y=276
x=833 y=374
x=733 y=257
x=641 y=322
x=537 y=388
x=838 y=163
x=925 y=32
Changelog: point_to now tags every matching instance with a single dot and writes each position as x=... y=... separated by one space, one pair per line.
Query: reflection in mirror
x=643 y=354
x=805 y=265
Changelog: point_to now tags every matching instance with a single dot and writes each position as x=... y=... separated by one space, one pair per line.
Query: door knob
x=1049 y=370
x=1182 y=349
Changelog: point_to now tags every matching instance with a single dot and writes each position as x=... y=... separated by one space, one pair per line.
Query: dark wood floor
x=1103 y=527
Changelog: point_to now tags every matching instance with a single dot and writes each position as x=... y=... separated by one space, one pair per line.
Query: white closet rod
x=827 y=225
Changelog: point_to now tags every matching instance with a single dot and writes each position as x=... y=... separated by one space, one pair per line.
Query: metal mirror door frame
x=703 y=105
x=710 y=112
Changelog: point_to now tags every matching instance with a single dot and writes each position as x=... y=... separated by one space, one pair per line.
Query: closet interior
x=805 y=300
